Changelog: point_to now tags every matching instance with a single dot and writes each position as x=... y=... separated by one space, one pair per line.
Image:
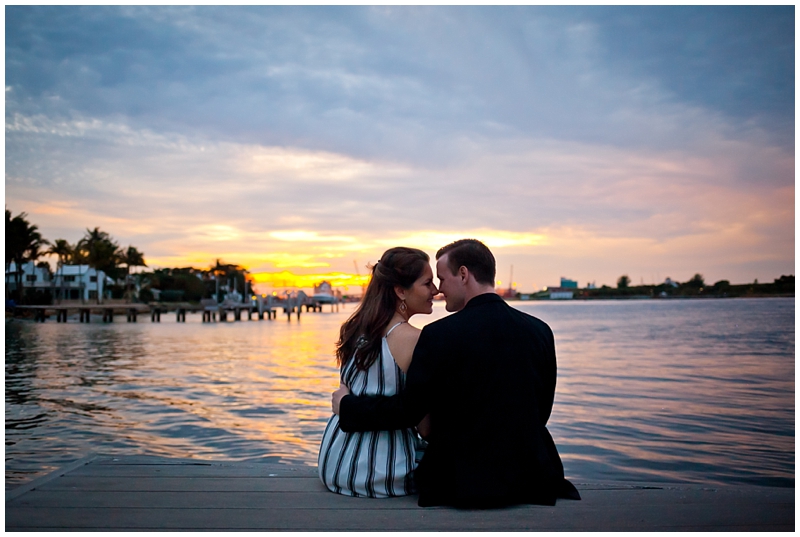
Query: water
x=653 y=390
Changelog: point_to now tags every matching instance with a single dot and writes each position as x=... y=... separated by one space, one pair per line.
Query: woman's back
x=376 y=464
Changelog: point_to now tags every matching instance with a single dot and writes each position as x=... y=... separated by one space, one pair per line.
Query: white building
x=81 y=282
x=77 y=282
x=559 y=293
x=33 y=278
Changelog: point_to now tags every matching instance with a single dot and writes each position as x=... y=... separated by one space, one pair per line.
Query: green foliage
x=177 y=284
x=696 y=281
x=24 y=243
x=722 y=287
x=623 y=282
x=192 y=284
x=172 y=295
x=102 y=253
x=146 y=295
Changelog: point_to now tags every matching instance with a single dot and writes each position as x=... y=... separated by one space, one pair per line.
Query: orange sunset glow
x=264 y=282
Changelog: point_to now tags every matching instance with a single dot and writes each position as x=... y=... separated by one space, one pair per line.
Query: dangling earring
x=403 y=306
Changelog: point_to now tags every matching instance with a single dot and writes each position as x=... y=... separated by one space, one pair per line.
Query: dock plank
x=194 y=470
x=211 y=500
x=695 y=518
x=154 y=494
x=182 y=484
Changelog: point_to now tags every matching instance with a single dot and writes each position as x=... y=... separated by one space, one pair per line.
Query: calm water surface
x=653 y=390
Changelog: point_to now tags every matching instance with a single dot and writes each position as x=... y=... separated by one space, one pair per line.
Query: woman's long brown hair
x=360 y=336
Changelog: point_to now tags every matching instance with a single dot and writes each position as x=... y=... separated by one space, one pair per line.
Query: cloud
x=304 y=138
x=396 y=84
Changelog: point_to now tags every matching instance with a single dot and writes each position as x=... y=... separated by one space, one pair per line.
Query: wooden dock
x=210 y=309
x=140 y=493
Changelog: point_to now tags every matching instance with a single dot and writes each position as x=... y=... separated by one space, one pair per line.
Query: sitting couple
x=477 y=385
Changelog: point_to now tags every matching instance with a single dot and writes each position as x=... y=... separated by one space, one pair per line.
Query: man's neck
x=479 y=290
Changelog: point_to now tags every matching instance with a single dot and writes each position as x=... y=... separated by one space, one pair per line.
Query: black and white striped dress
x=374 y=464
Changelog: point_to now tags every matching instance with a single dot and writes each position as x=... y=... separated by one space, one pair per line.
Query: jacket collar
x=482 y=299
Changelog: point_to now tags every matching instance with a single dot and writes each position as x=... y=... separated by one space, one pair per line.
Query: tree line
x=189 y=284
x=97 y=249
x=696 y=286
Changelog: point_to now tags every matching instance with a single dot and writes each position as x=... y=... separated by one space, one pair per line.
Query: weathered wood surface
x=106 y=493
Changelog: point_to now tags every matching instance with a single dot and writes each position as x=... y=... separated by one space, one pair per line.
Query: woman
x=374 y=351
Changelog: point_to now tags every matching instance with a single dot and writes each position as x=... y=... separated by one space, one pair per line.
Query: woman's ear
x=400 y=292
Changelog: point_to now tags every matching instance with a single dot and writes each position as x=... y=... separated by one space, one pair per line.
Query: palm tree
x=63 y=250
x=23 y=244
x=102 y=254
x=131 y=258
x=79 y=257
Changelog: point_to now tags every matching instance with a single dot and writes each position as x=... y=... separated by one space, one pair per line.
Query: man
x=486 y=375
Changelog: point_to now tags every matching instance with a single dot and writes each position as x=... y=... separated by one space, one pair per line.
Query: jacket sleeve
x=406 y=409
x=549 y=373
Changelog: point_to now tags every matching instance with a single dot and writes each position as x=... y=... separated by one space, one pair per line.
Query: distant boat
x=323 y=293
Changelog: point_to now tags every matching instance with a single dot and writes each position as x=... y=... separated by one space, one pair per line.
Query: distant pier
x=263 y=307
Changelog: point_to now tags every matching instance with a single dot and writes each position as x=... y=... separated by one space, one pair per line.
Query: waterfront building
x=34 y=279
x=560 y=293
x=70 y=282
x=568 y=284
x=82 y=282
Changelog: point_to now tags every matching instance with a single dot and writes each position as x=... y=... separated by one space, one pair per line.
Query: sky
x=301 y=142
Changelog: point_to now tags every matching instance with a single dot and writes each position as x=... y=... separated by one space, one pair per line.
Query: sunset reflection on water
x=697 y=391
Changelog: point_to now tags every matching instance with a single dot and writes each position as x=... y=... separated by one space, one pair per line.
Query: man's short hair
x=474 y=255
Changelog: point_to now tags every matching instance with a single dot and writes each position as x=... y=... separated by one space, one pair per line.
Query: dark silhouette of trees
x=102 y=254
x=131 y=258
x=24 y=243
x=623 y=282
x=696 y=281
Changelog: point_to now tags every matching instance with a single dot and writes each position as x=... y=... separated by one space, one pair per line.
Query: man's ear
x=463 y=273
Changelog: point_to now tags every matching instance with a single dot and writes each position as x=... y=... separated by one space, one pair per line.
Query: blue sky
x=585 y=142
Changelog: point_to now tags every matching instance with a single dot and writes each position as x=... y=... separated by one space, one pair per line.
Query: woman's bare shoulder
x=402 y=341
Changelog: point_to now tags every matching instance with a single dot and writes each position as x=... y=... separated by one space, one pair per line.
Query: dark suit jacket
x=487 y=377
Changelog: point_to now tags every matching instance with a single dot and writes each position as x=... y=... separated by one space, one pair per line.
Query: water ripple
x=668 y=391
